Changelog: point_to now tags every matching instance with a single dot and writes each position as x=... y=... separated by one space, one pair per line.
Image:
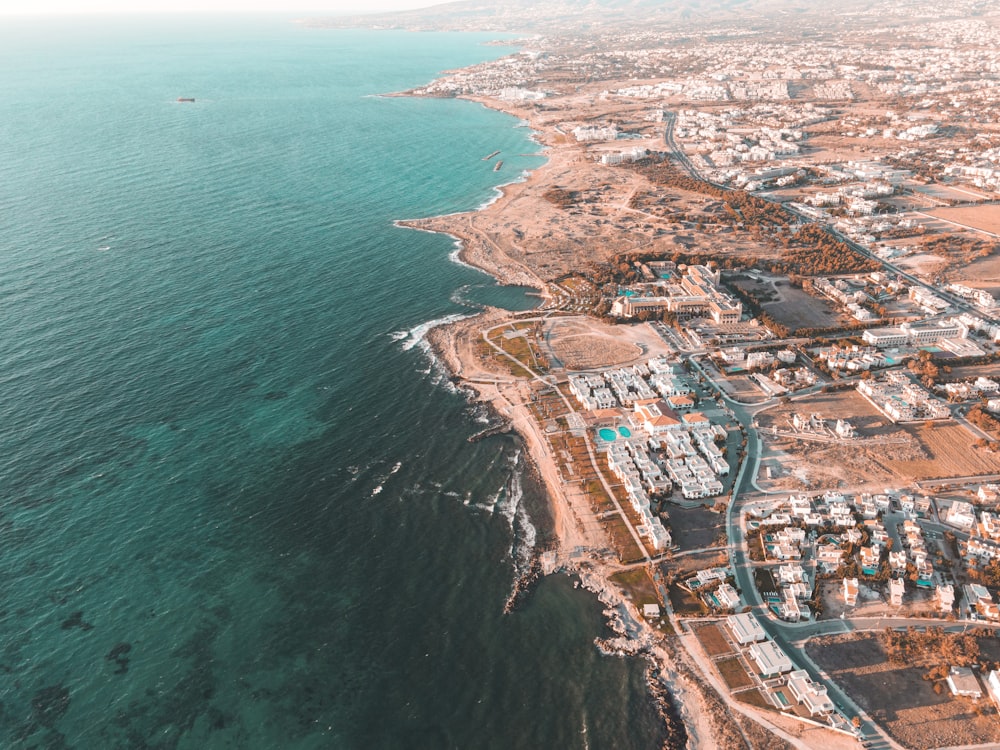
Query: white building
x=771 y=660
x=963 y=682
x=993 y=685
x=812 y=695
x=746 y=628
x=961 y=514
x=727 y=596
x=896 y=589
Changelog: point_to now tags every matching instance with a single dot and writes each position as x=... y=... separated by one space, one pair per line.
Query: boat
x=487 y=158
x=185 y=99
x=497 y=167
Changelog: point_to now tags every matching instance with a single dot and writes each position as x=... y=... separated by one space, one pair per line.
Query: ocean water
x=238 y=507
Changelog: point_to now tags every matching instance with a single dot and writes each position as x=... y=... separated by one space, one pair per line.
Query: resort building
x=696 y=294
x=656 y=417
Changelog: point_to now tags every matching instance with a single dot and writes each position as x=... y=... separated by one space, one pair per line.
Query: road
x=789 y=638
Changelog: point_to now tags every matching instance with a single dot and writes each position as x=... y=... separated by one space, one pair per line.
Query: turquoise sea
x=238 y=507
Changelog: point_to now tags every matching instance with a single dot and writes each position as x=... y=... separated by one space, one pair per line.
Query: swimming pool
x=625 y=432
x=607 y=434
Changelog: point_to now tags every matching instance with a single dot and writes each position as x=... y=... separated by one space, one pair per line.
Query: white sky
x=33 y=7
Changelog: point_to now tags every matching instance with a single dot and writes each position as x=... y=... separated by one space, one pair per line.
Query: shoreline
x=695 y=713
x=673 y=685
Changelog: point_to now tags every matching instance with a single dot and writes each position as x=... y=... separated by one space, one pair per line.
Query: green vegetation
x=814 y=251
x=561 y=197
x=932 y=646
x=738 y=206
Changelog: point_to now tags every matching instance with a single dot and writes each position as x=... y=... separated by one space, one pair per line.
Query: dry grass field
x=949 y=451
x=712 y=640
x=981 y=274
x=986 y=218
x=900 y=699
x=733 y=673
x=586 y=343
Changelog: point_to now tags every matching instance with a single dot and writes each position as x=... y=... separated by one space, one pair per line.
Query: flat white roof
x=746 y=627
x=770 y=658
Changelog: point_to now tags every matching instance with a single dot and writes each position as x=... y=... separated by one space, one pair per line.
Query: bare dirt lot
x=873 y=600
x=810 y=464
x=734 y=674
x=695 y=528
x=586 y=343
x=884 y=452
x=712 y=640
x=899 y=698
x=981 y=274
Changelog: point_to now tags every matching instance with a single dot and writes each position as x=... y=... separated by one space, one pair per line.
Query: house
x=853 y=536
x=988 y=493
x=922 y=506
x=708 y=575
x=727 y=596
x=896 y=589
x=771 y=660
x=829 y=556
x=791 y=573
x=850 y=591
x=993 y=685
x=696 y=419
x=961 y=514
x=963 y=682
x=746 y=628
x=869 y=560
x=789 y=608
x=897 y=561
x=812 y=695
x=978 y=598
x=907 y=504
x=792 y=535
x=680 y=402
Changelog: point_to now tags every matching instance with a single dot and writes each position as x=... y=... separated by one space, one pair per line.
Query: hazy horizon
x=126 y=7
